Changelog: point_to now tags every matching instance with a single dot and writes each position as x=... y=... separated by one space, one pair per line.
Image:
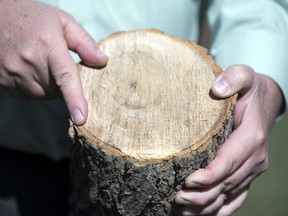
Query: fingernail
x=77 y=116
x=221 y=86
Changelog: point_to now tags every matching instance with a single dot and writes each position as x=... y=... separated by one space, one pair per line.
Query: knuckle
x=28 y=55
x=265 y=165
x=261 y=153
x=260 y=137
x=9 y=65
x=44 y=39
x=63 y=78
x=263 y=161
x=234 y=68
x=240 y=72
x=201 y=199
x=12 y=66
x=86 y=37
x=231 y=166
x=224 y=185
x=227 y=185
x=262 y=157
x=207 y=181
x=201 y=180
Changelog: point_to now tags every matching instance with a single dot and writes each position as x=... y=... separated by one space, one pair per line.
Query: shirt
x=252 y=32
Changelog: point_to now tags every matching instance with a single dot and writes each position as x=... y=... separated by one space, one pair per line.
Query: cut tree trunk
x=152 y=121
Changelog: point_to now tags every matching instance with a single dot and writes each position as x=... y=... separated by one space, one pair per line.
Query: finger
x=237 y=78
x=79 y=41
x=211 y=199
x=205 y=210
x=231 y=205
x=231 y=186
x=67 y=78
x=198 y=196
x=226 y=162
x=243 y=177
x=221 y=207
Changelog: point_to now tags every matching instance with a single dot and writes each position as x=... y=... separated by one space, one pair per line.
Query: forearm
x=275 y=95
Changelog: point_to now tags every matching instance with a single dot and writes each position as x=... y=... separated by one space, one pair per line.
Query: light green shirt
x=253 y=32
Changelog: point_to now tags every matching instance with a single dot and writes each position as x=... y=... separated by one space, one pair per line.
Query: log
x=152 y=121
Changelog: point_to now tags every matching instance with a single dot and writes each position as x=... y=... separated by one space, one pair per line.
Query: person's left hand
x=221 y=188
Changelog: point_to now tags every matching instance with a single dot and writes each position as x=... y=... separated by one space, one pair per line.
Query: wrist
x=274 y=97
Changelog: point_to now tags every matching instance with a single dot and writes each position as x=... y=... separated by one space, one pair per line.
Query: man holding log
x=35 y=63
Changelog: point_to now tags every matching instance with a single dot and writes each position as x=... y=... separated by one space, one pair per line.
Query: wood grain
x=149 y=105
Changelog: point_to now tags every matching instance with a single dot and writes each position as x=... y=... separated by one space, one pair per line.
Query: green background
x=268 y=194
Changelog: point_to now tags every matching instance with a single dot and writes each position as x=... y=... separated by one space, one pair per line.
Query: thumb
x=79 y=41
x=236 y=79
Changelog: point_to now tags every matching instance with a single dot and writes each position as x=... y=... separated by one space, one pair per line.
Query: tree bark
x=152 y=122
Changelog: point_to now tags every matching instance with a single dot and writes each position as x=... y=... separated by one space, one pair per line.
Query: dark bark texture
x=105 y=184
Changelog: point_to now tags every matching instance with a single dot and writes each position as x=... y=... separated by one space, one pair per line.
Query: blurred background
x=269 y=192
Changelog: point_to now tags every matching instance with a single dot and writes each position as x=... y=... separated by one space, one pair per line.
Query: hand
x=221 y=188
x=35 y=61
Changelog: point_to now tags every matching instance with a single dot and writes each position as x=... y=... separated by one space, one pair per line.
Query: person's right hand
x=34 y=54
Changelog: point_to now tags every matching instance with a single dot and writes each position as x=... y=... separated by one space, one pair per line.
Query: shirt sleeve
x=252 y=32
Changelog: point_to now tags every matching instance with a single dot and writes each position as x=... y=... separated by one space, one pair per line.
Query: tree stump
x=152 y=121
